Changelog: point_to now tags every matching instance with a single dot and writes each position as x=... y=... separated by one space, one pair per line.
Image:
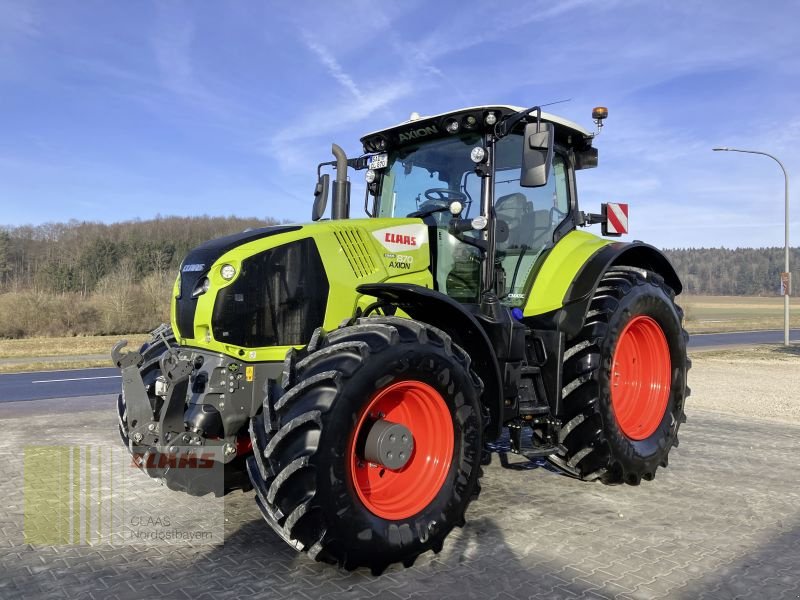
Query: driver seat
x=513 y=208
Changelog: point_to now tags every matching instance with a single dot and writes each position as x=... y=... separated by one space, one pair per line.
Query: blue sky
x=120 y=110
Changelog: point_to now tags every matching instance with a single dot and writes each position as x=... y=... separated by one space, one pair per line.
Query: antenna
x=556 y=102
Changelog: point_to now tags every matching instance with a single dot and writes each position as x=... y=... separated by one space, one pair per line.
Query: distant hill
x=75 y=256
x=739 y=272
x=88 y=278
x=82 y=278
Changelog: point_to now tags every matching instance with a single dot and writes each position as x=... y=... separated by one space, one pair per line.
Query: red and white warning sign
x=786 y=284
x=616 y=219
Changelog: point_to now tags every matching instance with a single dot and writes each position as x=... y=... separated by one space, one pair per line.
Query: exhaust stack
x=341 y=187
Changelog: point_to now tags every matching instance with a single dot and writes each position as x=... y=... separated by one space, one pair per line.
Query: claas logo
x=173 y=461
x=396 y=238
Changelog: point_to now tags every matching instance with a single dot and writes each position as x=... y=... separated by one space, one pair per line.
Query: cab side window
x=531 y=214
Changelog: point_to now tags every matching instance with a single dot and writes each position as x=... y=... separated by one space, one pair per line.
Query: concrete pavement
x=723 y=521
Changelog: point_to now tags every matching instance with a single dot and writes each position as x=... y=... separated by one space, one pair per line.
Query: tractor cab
x=495 y=204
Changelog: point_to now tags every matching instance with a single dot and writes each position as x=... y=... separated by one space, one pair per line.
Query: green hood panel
x=353 y=252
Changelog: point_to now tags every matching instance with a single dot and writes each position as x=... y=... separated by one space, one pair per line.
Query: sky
x=114 y=111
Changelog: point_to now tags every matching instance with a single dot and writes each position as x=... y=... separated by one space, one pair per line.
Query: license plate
x=379 y=161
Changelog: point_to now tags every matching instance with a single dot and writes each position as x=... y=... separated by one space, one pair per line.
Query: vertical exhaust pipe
x=341 y=187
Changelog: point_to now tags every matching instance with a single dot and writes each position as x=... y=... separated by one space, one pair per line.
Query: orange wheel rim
x=399 y=494
x=640 y=378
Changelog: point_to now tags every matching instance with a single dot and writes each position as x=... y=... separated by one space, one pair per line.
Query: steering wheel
x=445 y=195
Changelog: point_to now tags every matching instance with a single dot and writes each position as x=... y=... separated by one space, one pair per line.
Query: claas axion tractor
x=354 y=371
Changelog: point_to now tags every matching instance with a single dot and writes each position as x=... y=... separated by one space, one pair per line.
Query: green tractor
x=355 y=372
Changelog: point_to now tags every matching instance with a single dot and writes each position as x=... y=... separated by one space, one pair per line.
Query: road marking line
x=793 y=331
x=76 y=379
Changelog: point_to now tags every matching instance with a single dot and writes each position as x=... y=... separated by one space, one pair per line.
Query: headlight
x=202 y=287
x=451 y=125
x=478 y=154
x=228 y=272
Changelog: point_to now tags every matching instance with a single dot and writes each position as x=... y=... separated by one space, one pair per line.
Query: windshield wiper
x=425 y=212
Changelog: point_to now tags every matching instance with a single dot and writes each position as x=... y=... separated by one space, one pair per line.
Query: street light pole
x=786 y=233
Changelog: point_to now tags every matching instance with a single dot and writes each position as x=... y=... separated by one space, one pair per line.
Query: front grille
x=184 y=315
x=186 y=305
x=356 y=249
x=278 y=299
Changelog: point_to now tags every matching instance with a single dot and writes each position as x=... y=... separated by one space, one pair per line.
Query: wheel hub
x=395 y=487
x=640 y=377
x=389 y=444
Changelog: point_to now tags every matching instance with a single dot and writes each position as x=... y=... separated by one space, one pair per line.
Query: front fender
x=437 y=309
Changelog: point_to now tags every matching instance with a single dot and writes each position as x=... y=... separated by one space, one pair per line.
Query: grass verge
x=712 y=314
x=66 y=346
x=46 y=365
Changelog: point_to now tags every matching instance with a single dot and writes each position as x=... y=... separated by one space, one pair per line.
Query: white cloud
x=332 y=65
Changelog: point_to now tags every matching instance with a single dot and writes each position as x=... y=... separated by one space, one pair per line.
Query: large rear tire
x=314 y=485
x=624 y=381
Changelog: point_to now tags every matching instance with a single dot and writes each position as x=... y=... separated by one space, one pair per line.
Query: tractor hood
x=254 y=295
x=202 y=257
x=197 y=263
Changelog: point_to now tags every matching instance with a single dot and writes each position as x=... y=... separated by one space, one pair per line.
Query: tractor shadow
x=477 y=562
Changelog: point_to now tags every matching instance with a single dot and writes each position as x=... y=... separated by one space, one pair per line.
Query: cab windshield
x=414 y=173
x=434 y=173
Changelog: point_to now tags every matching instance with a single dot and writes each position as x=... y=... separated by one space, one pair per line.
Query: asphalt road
x=742 y=338
x=15 y=387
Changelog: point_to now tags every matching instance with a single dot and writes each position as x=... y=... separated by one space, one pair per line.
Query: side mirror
x=321 y=197
x=537 y=154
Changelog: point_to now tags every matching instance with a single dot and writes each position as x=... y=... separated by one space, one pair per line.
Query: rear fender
x=557 y=325
x=634 y=254
x=439 y=310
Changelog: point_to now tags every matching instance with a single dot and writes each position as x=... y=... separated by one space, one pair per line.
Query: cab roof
x=567 y=132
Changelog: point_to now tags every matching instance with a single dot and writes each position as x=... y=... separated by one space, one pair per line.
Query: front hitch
x=153 y=436
x=133 y=390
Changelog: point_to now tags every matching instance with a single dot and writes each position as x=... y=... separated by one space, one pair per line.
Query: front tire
x=624 y=381
x=314 y=486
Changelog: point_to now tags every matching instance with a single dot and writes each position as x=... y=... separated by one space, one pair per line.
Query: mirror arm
x=504 y=127
x=591 y=219
x=459 y=227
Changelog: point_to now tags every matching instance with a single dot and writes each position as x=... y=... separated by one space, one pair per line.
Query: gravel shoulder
x=761 y=382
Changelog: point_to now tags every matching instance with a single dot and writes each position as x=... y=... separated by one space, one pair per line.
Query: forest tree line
x=85 y=278
x=82 y=278
x=737 y=272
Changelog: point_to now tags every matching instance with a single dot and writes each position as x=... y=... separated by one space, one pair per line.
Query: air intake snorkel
x=341 y=187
